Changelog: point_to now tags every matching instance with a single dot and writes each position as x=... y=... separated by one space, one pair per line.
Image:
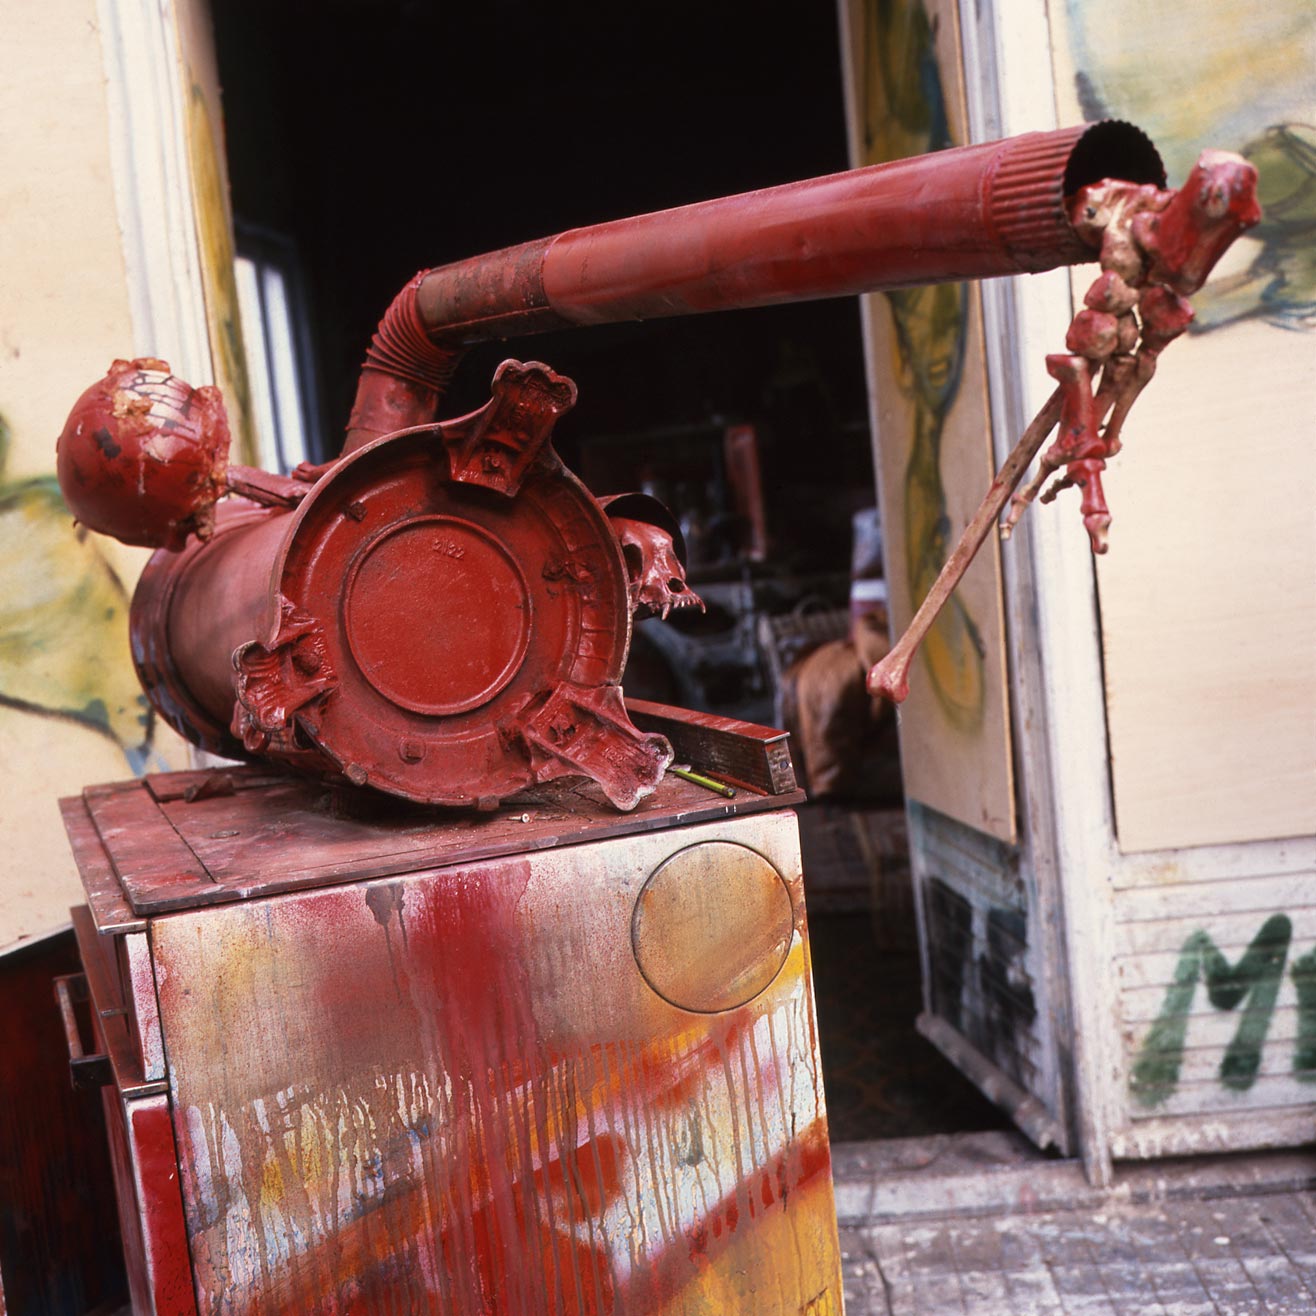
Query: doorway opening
x=368 y=140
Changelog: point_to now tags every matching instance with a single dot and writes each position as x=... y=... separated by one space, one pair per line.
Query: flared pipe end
x=1035 y=173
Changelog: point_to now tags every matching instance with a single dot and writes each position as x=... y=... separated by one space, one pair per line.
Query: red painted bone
x=1162 y=245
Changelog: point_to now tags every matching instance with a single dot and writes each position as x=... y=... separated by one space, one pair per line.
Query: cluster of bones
x=1157 y=248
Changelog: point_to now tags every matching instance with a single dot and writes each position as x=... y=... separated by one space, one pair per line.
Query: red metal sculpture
x=444 y=613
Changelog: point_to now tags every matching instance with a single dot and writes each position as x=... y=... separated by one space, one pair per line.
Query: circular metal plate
x=712 y=926
x=449 y=613
x=468 y=637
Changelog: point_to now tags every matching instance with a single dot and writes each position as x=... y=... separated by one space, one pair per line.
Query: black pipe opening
x=1113 y=149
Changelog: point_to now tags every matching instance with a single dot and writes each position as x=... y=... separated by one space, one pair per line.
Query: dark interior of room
x=383 y=138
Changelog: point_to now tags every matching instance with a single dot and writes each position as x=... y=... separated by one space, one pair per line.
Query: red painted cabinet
x=553 y=1059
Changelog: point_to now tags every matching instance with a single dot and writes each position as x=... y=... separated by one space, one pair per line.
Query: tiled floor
x=1249 y=1256
x=1236 y=1237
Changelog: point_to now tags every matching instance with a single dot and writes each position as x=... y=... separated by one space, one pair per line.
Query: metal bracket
x=275 y=681
x=587 y=731
x=495 y=446
x=87 y=1071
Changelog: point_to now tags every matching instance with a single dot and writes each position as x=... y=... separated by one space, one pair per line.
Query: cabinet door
x=580 y=1080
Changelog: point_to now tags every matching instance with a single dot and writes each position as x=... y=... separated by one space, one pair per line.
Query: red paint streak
x=805 y=1161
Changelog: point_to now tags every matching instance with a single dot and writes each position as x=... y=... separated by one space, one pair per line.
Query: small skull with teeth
x=651 y=544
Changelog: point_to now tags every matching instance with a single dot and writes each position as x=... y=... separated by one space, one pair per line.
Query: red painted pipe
x=970 y=213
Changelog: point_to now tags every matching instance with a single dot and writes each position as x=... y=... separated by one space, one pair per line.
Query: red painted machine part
x=142 y=455
x=409 y=626
x=974 y=212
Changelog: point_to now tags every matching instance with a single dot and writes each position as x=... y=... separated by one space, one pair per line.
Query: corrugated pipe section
x=405 y=374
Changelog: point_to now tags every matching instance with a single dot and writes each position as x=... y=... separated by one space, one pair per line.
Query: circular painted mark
x=712 y=926
x=438 y=615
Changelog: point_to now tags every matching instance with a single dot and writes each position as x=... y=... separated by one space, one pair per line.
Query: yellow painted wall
x=70 y=708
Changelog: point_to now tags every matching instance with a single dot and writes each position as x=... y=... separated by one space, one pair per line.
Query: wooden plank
x=166 y=787
x=96 y=951
x=1290 y=855
x=105 y=896
x=1157 y=969
x=145 y=1012
x=1270 y=1093
x=1157 y=1137
x=1229 y=928
x=161 y=1273
x=283 y=834
x=1023 y=1107
x=1200 y=1063
x=102 y=789
x=1145 y=1004
x=1265 y=892
x=742 y=753
x=152 y=861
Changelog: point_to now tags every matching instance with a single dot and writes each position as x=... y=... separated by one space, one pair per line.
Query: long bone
x=1159 y=245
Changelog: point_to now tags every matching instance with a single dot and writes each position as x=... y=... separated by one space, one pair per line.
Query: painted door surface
x=1208 y=608
x=986 y=918
x=1208 y=595
x=927 y=379
x=582 y=1080
x=1217 y=989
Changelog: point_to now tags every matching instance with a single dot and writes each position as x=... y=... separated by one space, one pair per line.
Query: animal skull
x=654 y=574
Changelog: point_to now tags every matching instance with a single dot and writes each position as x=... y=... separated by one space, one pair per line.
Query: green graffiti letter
x=1303 y=974
x=1256 y=978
